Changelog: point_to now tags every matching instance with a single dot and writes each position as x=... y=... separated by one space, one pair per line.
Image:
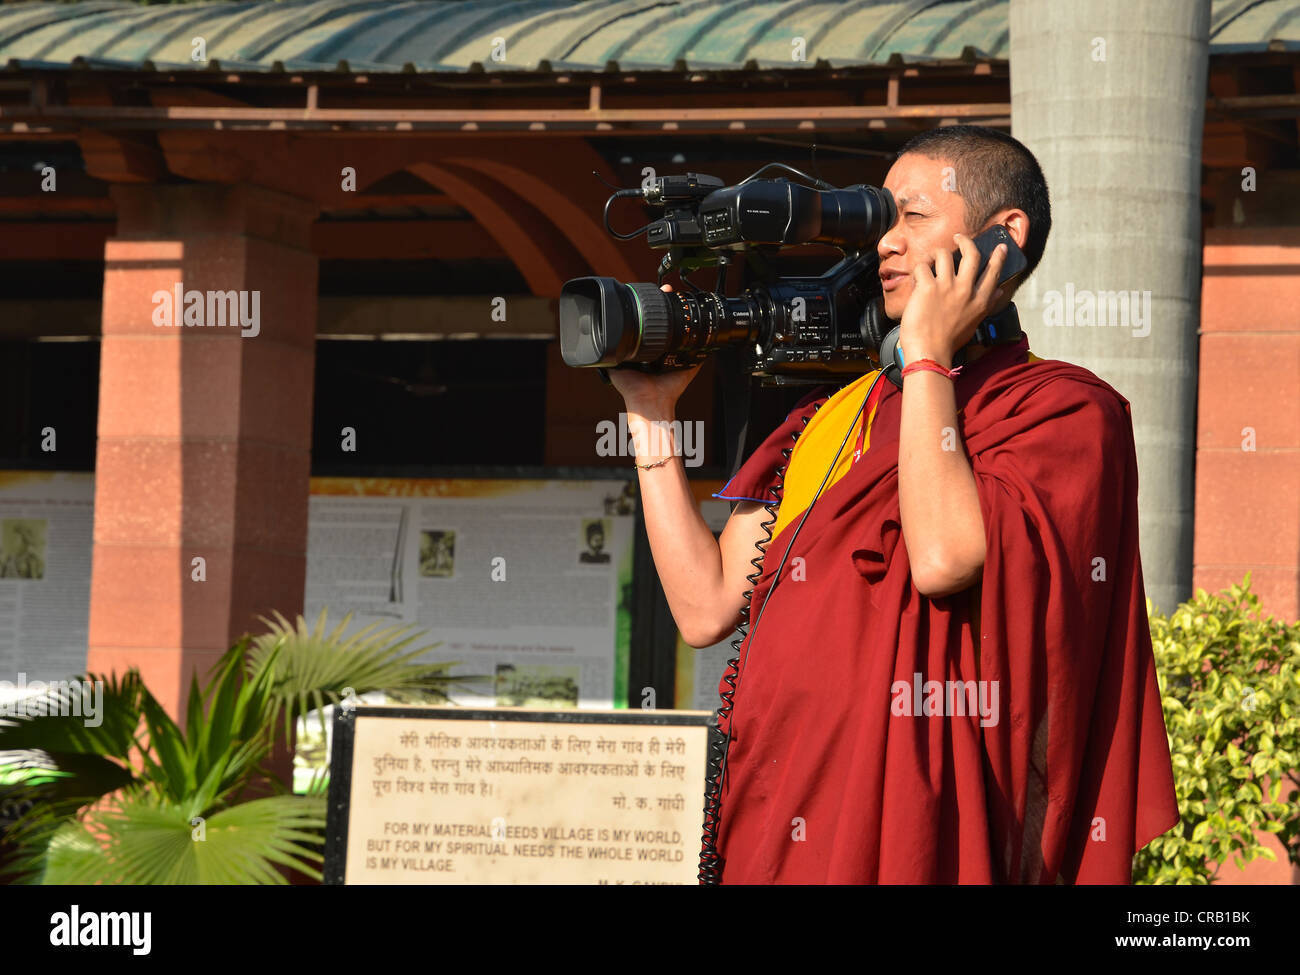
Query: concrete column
x=204 y=429
x=1110 y=96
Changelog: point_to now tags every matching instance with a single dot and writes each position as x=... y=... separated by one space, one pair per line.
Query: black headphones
x=881 y=333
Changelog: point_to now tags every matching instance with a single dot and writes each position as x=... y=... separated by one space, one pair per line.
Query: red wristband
x=930 y=365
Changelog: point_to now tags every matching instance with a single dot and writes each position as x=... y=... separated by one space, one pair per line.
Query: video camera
x=795 y=329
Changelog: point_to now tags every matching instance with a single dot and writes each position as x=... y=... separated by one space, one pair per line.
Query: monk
x=952 y=681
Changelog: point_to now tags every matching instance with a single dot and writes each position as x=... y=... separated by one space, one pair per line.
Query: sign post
x=511 y=796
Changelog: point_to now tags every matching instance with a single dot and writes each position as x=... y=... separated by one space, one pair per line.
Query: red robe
x=830 y=779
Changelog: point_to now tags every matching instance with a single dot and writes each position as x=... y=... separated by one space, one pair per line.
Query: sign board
x=512 y=796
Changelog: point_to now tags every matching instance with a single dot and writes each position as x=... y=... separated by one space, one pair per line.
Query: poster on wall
x=46 y=528
x=523 y=583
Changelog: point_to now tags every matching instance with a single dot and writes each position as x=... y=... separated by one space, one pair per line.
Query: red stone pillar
x=204 y=429
x=1248 y=440
x=1248 y=416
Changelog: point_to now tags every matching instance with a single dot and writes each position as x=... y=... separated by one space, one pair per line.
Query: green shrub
x=1230 y=684
x=141 y=799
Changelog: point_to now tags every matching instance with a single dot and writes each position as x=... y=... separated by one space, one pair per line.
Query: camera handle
x=673 y=260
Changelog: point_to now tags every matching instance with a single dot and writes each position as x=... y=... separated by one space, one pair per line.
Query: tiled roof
x=528 y=35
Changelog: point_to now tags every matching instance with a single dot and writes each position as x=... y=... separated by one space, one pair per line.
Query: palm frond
x=61 y=758
x=58 y=723
x=312 y=668
x=140 y=839
x=95 y=821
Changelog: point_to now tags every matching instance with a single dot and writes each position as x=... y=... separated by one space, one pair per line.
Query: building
x=391 y=177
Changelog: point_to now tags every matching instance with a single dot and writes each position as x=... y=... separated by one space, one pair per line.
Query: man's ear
x=1017 y=224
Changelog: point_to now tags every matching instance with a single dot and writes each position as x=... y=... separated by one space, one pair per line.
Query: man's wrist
x=653 y=436
x=926 y=345
x=650 y=411
x=927 y=352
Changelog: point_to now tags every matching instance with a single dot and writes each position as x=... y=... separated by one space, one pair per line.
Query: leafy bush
x=1230 y=685
x=141 y=800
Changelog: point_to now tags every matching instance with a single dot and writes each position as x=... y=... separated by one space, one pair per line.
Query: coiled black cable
x=711 y=863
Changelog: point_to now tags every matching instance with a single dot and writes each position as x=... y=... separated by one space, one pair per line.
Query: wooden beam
x=534 y=121
x=99 y=206
x=372 y=201
x=180 y=95
x=403 y=240
x=127 y=158
x=540 y=250
x=54 y=240
x=365 y=317
x=375 y=240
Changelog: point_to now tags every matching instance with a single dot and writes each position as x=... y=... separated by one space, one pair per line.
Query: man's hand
x=945 y=308
x=652 y=393
x=938 y=501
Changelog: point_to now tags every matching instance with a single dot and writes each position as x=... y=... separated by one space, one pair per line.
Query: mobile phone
x=1015 y=262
